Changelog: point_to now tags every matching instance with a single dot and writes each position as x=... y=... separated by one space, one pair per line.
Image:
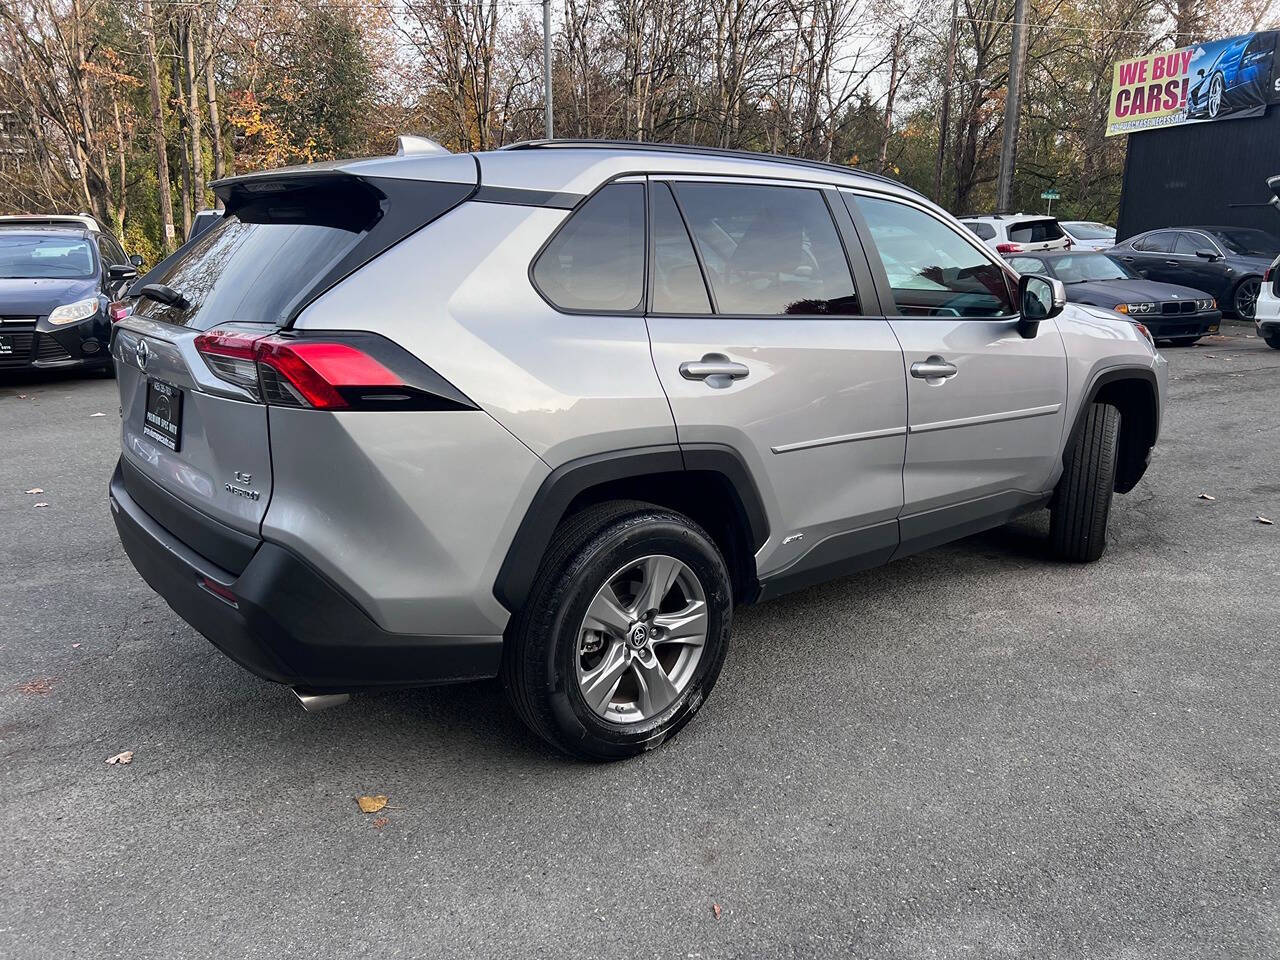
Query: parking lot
x=973 y=752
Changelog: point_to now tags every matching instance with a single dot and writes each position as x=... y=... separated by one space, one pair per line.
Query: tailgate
x=186 y=432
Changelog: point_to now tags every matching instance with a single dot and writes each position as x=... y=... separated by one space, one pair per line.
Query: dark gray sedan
x=1179 y=315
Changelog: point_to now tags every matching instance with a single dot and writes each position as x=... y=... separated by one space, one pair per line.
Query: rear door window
x=1157 y=242
x=1035 y=231
x=932 y=269
x=983 y=230
x=595 y=261
x=768 y=251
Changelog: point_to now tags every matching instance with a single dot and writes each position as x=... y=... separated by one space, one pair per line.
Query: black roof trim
x=703 y=151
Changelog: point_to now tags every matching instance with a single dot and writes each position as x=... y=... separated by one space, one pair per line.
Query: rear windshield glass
x=259 y=260
x=45 y=257
x=1086 y=230
x=1035 y=231
x=1247 y=242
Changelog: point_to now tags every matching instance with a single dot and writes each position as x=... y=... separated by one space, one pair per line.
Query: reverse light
x=74 y=312
x=1008 y=248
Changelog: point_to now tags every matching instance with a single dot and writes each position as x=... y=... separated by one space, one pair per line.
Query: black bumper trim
x=290 y=624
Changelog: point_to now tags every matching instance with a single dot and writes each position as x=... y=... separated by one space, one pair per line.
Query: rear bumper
x=287 y=622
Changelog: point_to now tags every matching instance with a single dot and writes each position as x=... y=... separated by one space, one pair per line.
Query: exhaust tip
x=315 y=702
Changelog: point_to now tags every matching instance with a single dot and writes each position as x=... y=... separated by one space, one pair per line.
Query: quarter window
x=595 y=262
x=768 y=251
x=933 y=270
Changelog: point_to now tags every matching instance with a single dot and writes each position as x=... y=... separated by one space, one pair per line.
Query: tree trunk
x=193 y=118
x=157 y=129
x=894 y=79
x=182 y=148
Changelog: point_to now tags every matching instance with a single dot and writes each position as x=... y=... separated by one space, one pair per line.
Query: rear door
x=194 y=432
x=767 y=339
x=1152 y=256
x=985 y=406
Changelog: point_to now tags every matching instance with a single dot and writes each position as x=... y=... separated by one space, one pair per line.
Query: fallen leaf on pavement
x=380 y=822
x=715 y=908
x=41 y=504
x=40 y=685
x=371 y=804
x=126 y=757
x=74 y=645
x=1205 y=496
x=1262 y=519
x=36 y=490
x=92 y=415
x=22 y=396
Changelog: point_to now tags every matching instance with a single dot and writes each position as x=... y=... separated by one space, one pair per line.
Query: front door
x=985 y=406
x=767 y=341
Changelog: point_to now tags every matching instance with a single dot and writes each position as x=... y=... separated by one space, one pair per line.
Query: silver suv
x=553 y=412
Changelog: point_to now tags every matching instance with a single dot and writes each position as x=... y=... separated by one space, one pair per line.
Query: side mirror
x=1204 y=253
x=120 y=272
x=136 y=260
x=1041 y=298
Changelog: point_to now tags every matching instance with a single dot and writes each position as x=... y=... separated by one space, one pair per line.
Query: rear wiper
x=162 y=294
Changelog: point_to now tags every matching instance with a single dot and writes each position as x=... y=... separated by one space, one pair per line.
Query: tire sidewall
x=630 y=540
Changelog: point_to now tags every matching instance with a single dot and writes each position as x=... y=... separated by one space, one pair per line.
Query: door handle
x=715 y=369
x=1171 y=263
x=935 y=368
x=1127 y=259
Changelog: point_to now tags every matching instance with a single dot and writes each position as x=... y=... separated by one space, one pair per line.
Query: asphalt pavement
x=974 y=752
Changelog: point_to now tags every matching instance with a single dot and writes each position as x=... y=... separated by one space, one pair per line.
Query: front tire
x=1082 y=501
x=623 y=634
x=1273 y=341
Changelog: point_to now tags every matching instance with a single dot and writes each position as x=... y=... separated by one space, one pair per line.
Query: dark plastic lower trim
x=836 y=556
x=288 y=622
x=921 y=531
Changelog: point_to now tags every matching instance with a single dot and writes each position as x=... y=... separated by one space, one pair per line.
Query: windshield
x=1087 y=230
x=1080 y=267
x=24 y=256
x=1245 y=242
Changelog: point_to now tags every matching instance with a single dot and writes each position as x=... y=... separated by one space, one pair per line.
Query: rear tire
x=1273 y=341
x=1182 y=341
x=1082 y=501
x=551 y=653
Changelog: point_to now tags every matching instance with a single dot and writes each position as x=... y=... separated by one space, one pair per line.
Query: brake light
x=284 y=371
x=1142 y=329
x=1266 y=274
x=1008 y=248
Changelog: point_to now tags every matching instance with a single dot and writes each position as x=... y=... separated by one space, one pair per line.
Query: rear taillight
x=330 y=372
x=1008 y=248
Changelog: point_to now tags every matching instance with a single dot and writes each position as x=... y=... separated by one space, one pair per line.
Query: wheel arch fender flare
x=575 y=480
x=1135 y=391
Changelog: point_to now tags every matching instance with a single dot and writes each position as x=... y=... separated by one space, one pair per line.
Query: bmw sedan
x=1225 y=262
x=1180 y=315
x=57 y=284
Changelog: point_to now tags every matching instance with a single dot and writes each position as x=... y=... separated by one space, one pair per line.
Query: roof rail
x=704 y=151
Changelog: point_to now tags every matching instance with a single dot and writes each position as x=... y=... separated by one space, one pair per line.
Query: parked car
x=1267 y=318
x=82 y=220
x=552 y=412
x=1225 y=262
x=1176 y=314
x=202 y=221
x=56 y=285
x=1088 y=234
x=1018 y=232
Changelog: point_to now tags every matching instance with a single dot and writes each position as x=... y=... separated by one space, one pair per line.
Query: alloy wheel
x=1215 y=95
x=1247 y=298
x=641 y=639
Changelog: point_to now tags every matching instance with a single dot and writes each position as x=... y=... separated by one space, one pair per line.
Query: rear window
x=1087 y=230
x=1035 y=231
x=263 y=257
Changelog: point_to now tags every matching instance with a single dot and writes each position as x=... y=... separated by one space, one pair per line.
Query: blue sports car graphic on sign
x=1230 y=75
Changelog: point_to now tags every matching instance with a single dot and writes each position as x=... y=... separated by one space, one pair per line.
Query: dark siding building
x=1211 y=174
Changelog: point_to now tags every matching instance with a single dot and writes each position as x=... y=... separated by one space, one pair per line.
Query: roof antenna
x=410 y=145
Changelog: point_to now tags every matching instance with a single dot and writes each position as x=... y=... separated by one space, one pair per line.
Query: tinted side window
x=934 y=271
x=769 y=251
x=595 y=262
x=677 y=278
x=111 y=253
x=983 y=230
x=1157 y=242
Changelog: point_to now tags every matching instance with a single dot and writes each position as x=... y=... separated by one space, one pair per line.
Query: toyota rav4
x=552 y=412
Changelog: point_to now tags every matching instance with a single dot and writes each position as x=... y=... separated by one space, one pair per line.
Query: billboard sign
x=1224 y=79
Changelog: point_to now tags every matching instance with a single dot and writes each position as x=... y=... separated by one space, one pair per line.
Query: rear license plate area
x=162 y=418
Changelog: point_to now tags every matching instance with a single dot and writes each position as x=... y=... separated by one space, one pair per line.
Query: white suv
x=1018 y=232
x=1267 y=315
